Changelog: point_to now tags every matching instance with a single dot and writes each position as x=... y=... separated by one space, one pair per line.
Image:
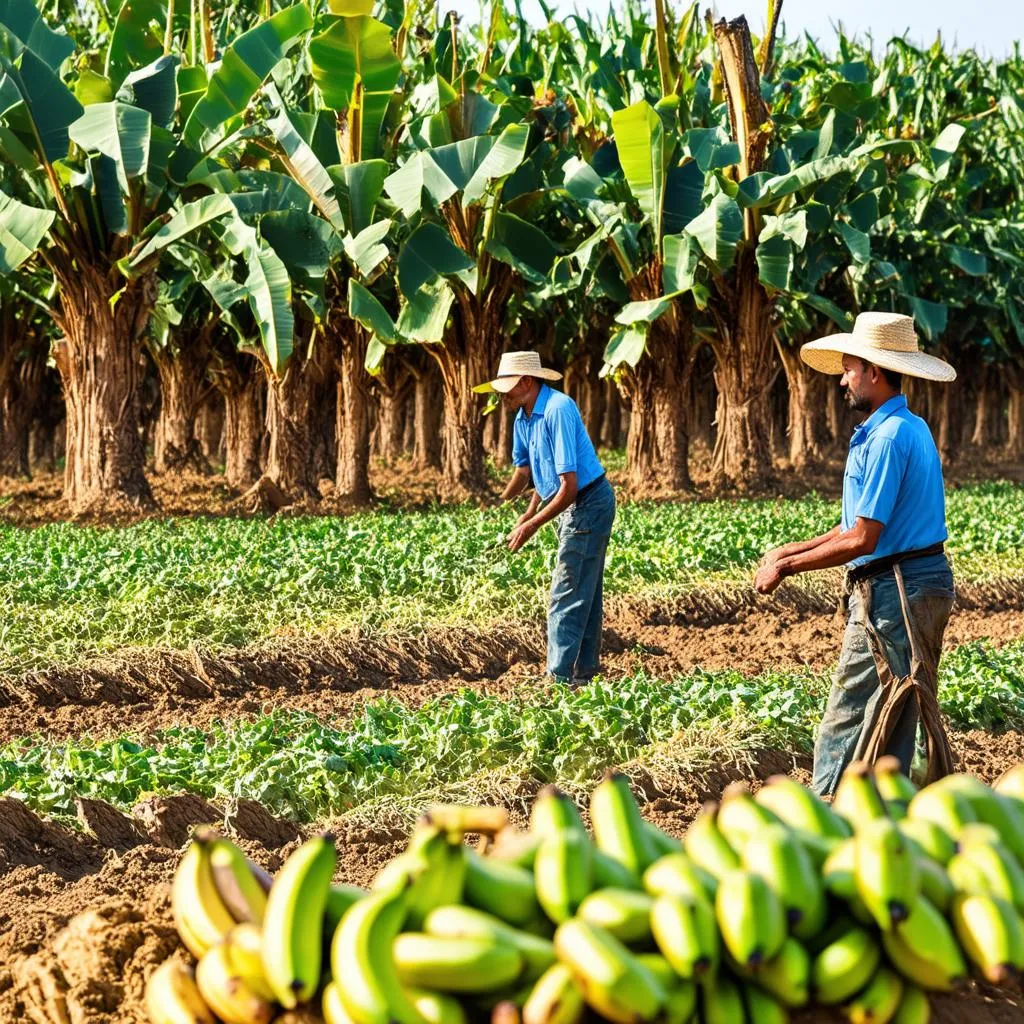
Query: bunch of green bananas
x=769 y=903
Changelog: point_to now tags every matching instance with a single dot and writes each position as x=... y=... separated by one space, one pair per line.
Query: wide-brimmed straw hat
x=512 y=368
x=885 y=339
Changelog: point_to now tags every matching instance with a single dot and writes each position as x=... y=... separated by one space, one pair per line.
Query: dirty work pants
x=853 y=704
x=575 y=612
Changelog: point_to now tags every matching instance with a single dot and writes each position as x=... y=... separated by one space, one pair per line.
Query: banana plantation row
x=281 y=230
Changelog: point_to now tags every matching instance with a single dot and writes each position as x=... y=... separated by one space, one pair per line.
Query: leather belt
x=879 y=566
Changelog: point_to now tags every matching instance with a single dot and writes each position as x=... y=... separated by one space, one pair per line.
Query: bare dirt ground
x=85 y=917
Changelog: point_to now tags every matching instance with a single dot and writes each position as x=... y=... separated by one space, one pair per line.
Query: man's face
x=515 y=398
x=859 y=382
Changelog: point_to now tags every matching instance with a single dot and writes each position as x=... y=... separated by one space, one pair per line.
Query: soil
x=85 y=917
x=331 y=675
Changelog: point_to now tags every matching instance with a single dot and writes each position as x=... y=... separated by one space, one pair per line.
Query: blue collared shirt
x=553 y=441
x=894 y=476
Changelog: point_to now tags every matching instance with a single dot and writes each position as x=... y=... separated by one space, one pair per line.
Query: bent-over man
x=553 y=453
x=890 y=538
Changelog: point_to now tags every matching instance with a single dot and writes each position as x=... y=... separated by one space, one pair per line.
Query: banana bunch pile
x=770 y=903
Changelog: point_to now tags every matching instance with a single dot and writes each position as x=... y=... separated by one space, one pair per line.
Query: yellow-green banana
x=706 y=846
x=988 y=868
x=935 y=883
x=893 y=786
x=680 y=1004
x=740 y=817
x=292 y=945
x=845 y=965
x=362 y=962
x=886 y=872
x=555 y=998
x=857 y=800
x=230 y=998
x=339 y=899
x=943 y=806
x=750 y=917
x=437 y=1007
x=1011 y=782
x=626 y=913
x=677 y=873
x=437 y=864
x=924 y=950
x=787 y=976
x=245 y=951
x=613 y=981
x=991 y=934
x=777 y=856
x=460 y=922
x=241 y=891
x=467 y=964
x=878 y=1002
x=991 y=808
x=514 y=847
x=661 y=841
x=686 y=932
x=504 y=890
x=801 y=809
x=932 y=839
x=611 y=874
x=563 y=873
x=839 y=878
x=553 y=811
x=763 y=1008
x=721 y=1001
x=914 y=1007
x=618 y=827
x=172 y=996
x=199 y=913
x=331 y=1006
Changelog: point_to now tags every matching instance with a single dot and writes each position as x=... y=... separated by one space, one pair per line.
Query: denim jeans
x=853 y=704
x=576 y=610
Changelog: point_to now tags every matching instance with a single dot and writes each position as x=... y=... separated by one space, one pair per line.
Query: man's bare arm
x=518 y=482
x=798 y=547
x=563 y=498
x=860 y=539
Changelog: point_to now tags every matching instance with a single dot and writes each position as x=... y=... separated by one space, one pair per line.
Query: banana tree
x=97 y=162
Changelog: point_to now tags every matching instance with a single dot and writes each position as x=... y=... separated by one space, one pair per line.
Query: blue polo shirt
x=894 y=476
x=553 y=440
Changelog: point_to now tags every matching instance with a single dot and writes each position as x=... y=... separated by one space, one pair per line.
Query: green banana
x=886 y=872
x=555 y=999
x=686 y=933
x=563 y=873
x=914 y=1007
x=750 y=917
x=199 y=913
x=707 y=847
x=931 y=839
x=1011 y=783
x=991 y=934
x=172 y=996
x=936 y=884
x=618 y=826
x=777 y=856
x=801 y=809
x=661 y=841
x=437 y=1007
x=763 y=1008
x=680 y=1004
x=988 y=869
x=437 y=863
x=845 y=965
x=514 y=847
x=362 y=962
x=857 y=800
x=944 y=807
x=230 y=998
x=660 y=968
x=504 y=890
x=893 y=786
x=244 y=944
x=467 y=964
x=787 y=976
x=878 y=1002
x=292 y=945
x=816 y=847
x=613 y=981
x=740 y=817
x=339 y=899
x=722 y=1001
x=924 y=950
x=458 y=922
x=241 y=891
x=839 y=878
x=553 y=811
x=991 y=808
x=611 y=874
x=626 y=913
x=332 y=1007
x=677 y=873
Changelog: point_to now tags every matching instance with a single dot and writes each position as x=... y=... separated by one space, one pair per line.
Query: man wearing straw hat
x=899 y=586
x=553 y=453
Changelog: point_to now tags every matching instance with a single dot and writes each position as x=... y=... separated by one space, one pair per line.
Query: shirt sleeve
x=520 y=451
x=565 y=424
x=883 y=473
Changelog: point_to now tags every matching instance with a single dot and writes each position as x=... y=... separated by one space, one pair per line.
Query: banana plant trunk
x=806 y=420
x=394 y=406
x=243 y=386
x=20 y=385
x=183 y=389
x=427 y=439
x=1014 y=411
x=354 y=406
x=101 y=366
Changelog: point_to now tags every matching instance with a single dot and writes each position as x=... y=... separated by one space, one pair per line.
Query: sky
x=989 y=26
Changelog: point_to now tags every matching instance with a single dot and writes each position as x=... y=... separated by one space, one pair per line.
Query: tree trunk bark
x=427 y=449
x=658 y=446
x=594 y=398
x=611 y=430
x=244 y=390
x=492 y=432
x=395 y=391
x=463 y=474
x=1014 y=448
x=183 y=390
x=210 y=427
x=18 y=393
x=984 y=411
x=352 y=483
x=101 y=367
x=807 y=425
x=744 y=374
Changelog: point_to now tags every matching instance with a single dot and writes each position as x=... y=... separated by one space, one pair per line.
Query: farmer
x=553 y=454
x=899 y=587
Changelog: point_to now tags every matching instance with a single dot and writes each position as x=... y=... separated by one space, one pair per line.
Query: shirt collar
x=542 y=401
x=882 y=413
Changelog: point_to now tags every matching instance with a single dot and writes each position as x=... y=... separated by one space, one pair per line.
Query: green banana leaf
x=365 y=308
x=626 y=345
x=185 y=221
x=424 y=317
x=640 y=139
x=428 y=254
x=154 y=88
x=775 y=261
x=269 y=290
x=718 y=229
x=138 y=36
x=307 y=245
x=22 y=28
x=49 y=105
x=367 y=250
x=359 y=188
x=521 y=245
x=118 y=131
x=22 y=229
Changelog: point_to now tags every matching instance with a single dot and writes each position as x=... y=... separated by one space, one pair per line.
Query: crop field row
x=71 y=593
x=468 y=744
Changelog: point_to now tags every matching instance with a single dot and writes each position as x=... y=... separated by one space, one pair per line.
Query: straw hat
x=885 y=339
x=512 y=368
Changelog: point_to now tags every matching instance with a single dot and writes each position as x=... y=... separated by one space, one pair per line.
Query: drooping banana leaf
x=154 y=88
x=22 y=28
x=121 y=133
x=22 y=229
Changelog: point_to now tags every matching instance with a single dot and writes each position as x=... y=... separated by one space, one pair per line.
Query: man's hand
x=524 y=518
x=771 y=557
x=521 y=534
x=768 y=577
